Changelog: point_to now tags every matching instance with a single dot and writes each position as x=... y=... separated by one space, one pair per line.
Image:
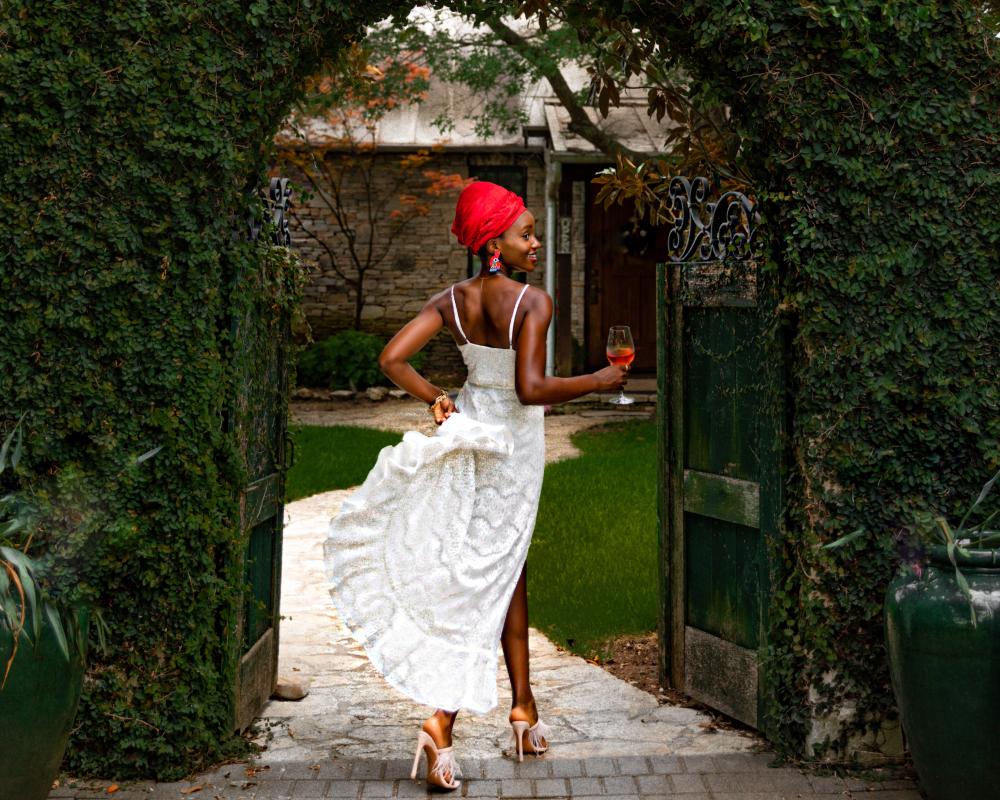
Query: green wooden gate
x=258 y=421
x=719 y=417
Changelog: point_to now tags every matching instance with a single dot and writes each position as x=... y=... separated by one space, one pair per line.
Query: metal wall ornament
x=635 y=237
x=276 y=202
x=707 y=233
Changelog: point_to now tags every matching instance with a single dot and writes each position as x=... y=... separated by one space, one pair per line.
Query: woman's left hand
x=443 y=410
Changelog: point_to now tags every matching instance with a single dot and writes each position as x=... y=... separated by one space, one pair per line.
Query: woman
x=427 y=559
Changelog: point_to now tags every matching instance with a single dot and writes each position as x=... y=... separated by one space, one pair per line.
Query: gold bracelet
x=437 y=401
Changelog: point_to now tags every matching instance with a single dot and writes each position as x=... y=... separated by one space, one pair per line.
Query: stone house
x=599 y=269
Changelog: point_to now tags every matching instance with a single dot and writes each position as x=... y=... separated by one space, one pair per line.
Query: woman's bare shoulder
x=442 y=296
x=537 y=299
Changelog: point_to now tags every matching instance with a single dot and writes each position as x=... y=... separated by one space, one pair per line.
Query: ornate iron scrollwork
x=279 y=193
x=705 y=233
x=276 y=202
x=714 y=244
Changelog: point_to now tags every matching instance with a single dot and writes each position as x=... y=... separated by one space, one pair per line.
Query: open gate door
x=258 y=421
x=720 y=414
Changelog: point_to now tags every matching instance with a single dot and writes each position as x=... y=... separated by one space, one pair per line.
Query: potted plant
x=44 y=628
x=942 y=619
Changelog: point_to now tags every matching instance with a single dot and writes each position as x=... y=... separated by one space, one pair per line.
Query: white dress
x=423 y=558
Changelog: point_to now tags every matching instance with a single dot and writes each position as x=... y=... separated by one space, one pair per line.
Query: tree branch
x=580 y=123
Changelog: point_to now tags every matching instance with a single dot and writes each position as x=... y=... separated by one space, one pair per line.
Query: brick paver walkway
x=717 y=777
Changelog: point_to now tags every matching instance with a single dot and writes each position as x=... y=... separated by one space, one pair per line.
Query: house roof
x=628 y=123
x=412 y=127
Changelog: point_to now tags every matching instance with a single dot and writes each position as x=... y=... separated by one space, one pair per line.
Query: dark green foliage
x=346 y=360
x=130 y=135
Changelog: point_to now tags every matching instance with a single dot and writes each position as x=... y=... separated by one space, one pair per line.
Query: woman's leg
x=514 y=641
x=438 y=726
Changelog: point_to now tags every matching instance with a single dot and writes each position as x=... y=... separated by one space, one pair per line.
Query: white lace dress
x=423 y=558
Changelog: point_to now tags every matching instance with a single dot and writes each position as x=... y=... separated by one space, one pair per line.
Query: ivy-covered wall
x=129 y=136
x=873 y=133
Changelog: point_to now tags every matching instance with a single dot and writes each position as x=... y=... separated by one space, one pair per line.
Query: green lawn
x=328 y=458
x=592 y=564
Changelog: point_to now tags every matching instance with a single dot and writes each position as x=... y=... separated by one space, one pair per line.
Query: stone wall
x=424 y=259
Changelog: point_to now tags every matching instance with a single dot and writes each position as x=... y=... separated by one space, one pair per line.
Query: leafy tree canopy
x=497 y=55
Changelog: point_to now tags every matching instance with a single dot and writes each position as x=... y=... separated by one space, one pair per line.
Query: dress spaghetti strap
x=454 y=309
x=510 y=332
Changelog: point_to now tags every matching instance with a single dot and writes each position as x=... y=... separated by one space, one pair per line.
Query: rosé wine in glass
x=620 y=352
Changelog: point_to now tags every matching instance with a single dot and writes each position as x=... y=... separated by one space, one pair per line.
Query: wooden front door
x=720 y=419
x=621 y=281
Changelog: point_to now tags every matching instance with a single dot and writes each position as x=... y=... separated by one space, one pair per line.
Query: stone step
x=601 y=400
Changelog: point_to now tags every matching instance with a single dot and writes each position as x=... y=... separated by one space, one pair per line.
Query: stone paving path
x=353 y=735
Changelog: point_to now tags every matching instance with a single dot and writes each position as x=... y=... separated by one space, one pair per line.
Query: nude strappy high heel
x=536 y=733
x=444 y=763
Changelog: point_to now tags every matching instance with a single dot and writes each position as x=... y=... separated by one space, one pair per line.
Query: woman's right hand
x=611 y=378
x=444 y=409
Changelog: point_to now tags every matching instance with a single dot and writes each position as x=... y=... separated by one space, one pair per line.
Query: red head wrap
x=484 y=210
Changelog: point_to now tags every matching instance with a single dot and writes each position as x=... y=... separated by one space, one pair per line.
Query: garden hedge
x=130 y=135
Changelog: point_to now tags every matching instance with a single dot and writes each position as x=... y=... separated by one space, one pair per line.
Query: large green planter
x=37 y=708
x=946 y=673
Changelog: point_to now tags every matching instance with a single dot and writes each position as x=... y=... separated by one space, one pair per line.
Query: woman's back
x=487 y=311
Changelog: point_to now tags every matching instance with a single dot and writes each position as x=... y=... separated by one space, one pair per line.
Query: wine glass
x=620 y=352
